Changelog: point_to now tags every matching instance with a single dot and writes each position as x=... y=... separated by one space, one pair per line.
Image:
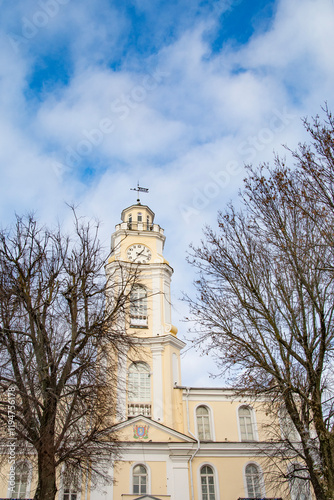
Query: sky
x=178 y=95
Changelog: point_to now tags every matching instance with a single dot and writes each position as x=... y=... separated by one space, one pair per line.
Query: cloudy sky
x=178 y=95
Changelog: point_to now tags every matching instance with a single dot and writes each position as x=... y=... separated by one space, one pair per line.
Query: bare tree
x=60 y=321
x=265 y=301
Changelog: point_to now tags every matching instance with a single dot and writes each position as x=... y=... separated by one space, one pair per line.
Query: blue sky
x=179 y=95
x=138 y=31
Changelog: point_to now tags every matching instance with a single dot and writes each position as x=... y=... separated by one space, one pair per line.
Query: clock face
x=139 y=254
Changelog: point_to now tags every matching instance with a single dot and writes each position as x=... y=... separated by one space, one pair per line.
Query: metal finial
x=139 y=190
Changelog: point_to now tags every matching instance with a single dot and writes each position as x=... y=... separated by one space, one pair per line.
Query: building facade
x=179 y=443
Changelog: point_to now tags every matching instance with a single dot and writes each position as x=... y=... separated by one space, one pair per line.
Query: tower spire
x=139 y=190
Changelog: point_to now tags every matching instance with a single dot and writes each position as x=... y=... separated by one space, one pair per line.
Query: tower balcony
x=139 y=226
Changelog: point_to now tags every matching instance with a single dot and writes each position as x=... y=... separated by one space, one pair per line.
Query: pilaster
x=158 y=410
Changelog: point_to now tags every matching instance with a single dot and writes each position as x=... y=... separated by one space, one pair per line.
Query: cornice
x=155 y=233
x=153 y=268
x=218 y=394
x=214 y=449
x=162 y=341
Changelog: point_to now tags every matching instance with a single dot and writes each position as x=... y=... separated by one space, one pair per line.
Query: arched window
x=207 y=483
x=139 y=479
x=138 y=306
x=22 y=473
x=139 y=390
x=253 y=481
x=203 y=423
x=246 y=424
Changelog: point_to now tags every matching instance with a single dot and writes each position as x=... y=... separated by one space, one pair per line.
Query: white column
x=167 y=303
x=180 y=478
x=121 y=413
x=156 y=304
x=158 y=393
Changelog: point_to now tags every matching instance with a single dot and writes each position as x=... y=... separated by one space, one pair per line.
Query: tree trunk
x=46 y=487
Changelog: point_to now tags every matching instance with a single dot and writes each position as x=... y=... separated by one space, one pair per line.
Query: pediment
x=144 y=429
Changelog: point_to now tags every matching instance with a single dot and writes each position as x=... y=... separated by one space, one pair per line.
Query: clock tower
x=147 y=376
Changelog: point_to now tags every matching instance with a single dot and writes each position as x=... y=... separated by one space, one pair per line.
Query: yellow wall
x=123 y=473
x=229 y=477
x=225 y=419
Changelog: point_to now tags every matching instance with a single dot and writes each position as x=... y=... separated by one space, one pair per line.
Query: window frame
x=148 y=478
x=253 y=423
x=138 y=310
x=135 y=399
x=210 y=418
x=215 y=479
x=70 y=492
x=261 y=479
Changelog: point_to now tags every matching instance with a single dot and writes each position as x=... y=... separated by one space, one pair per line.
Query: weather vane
x=139 y=190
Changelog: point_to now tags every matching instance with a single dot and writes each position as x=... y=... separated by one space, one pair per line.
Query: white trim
x=216 y=394
x=148 y=485
x=180 y=475
x=167 y=301
x=262 y=485
x=211 y=421
x=158 y=395
x=253 y=419
x=228 y=449
x=168 y=339
x=175 y=369
x=140 y=458
x=169 y=471
x=215 y=478
x=122 y=381
x=156 y=305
